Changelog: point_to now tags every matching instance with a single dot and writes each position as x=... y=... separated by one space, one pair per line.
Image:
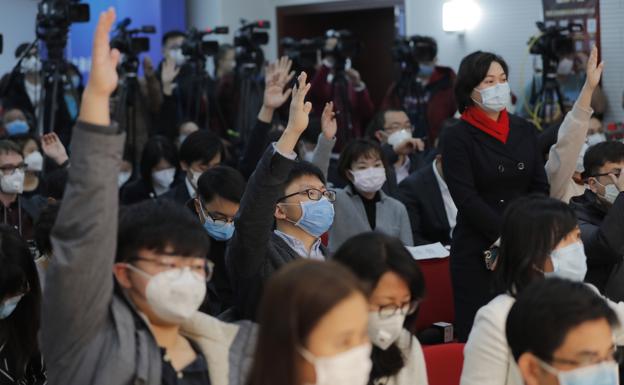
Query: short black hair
x=156 y=225
x=202 y=145
x=532 y=227
x=9 y=146
x=472 y=71
x=157 y=148
x=43 y=227
x=425 y=48
x=356 y=149
x=601 y=153
x=172 y=34
x=547 y=310
x=222 y=181
x=300 y=169
x=378 y=122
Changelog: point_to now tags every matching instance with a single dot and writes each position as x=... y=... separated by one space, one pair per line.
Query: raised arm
x=326 y=140
x=79 y=284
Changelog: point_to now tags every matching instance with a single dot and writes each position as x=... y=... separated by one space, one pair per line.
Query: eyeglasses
x=615 y=355
x=9 y=169
x=205 y=268
x=313 y=194
x=616 y=174
x=218 y=219
x=397 y=127
x=406 y=308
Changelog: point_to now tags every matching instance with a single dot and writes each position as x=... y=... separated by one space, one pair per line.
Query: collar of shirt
x=299 y=248
x=403 y=170
x=191 y=190
x=441 y=182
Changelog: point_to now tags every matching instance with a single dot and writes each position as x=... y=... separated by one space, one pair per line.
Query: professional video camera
x=410 y=51
x=53 y=20
x=551 y=39
x=302 y=52
x=249 y=39
x=195 y=47
x=346 y=47
x=131 y=45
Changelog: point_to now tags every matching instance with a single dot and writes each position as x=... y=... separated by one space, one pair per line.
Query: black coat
x=179 y=193
x=136 y=191
x=421 y=195
x=484 y=176
x=602 y=230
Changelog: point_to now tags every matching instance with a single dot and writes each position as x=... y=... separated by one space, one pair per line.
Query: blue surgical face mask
x=219 y=231
x=426 y=70
x=316 y=217
x=604 y=373
x=17 y=127
x=569 y=262
x=8 y=306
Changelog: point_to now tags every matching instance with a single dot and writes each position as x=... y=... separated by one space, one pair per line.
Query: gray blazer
x=350 y=219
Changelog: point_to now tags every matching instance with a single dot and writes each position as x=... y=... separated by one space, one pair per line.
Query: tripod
x=249 y=99
x=126 y=105
x=545 y=101
x=413 y=98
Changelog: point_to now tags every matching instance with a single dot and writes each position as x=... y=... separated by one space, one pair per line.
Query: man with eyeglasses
x=142 y=326
x=600 y=211
x=16 y=211
x=285 y=210
x=562 y=332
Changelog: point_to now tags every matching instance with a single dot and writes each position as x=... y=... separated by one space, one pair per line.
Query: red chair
x=444 y=363
x=437 y=306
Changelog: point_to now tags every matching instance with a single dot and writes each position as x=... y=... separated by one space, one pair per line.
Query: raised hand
x=593 y=70
x=409 y=146
x=298 y=118
x=95 y=108
x=329 y=126
x=169 y=73
x=277 y=76
x=354 y=77
x=53 y=148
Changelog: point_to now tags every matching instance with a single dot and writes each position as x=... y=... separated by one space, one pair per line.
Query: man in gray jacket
x=143 y=327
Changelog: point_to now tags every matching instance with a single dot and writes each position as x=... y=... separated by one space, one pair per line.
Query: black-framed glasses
x=206 y=268
x=9 y=169
x=616 y=174
x=313 y=194
x=616 y=355
x=407 y=308
x=219 y=219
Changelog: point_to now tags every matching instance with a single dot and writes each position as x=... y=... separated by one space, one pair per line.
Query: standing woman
x=491 y=158
x=313 y=328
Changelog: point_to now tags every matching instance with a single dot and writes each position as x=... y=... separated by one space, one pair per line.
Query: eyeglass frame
x=410 y=308
x=307 y=192
x=208 y=266
x=617 y=356
x=12 y=168
x=207 y=214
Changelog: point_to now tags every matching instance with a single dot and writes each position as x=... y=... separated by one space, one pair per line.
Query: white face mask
x=194 y=178
x=565 y=66
x=12 y=184
x=348 y=368
x=369 y=180
x=34 y=161
x=596 y=138
x=31 y=64
x=123 y=177
x=495 y=98
x=163 y=179
x=569 y=262
x=177 y=55
x=397 y=138
x=611 y=193
x=174 y=295
x=383 y=332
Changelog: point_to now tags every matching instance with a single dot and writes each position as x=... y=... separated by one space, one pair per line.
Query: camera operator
x=354 y=113
x=25 y=89
x=425 y=90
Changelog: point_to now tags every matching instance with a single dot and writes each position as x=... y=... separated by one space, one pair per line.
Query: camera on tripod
x=552 y=42
x=346 y=47
x=248 y=42
x=196 y=48
x=410 y=51
x=302 y=52
x=53 y=20
x=131 y=45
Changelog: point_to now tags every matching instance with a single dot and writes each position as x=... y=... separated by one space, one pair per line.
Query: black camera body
x=131 y=45
x=196 y=48
x=410 y=51
x=53 y=20
x=347 y=47
x=248 y=43
x=553 y=40
x=302 y=52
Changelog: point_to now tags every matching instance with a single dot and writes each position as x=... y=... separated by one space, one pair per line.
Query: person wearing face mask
x=429 y=100
x=362 y=206
x=185 y=129
x=600 y=210
x=284 y=211
x=143 y=324
x=491 y=158
x=384 y=264
x=15 y=122
x=158 y=169
x=12 y=174
x=200 y=151
x=219 y=192
x=313 y=322
x=561 y=332
x=20 y=312
x=33 y=159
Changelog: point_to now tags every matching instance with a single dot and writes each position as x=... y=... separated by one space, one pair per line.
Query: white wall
x=612 y=30
x=17 y=24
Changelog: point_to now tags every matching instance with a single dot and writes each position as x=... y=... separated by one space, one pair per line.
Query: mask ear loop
x=296 y=223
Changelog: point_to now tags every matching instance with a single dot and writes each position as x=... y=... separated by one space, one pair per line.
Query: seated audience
x=12 y=169
x=157 y=172
x=562 y=332
x=283 y=213
x=33 y=158
x=143 y=325
x=20 y=313
x=313 y=321
x=600 y=210
x=384 y=264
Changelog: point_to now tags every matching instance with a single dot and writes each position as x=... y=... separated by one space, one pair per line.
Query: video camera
x=346 y=47
x=197 y=48
x=131 y=45
x=410 y=51
x=53 y=20
x=302 y=52
x=248 y=42
x=553 y=41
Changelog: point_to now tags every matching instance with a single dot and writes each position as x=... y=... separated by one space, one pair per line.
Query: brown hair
x=295 y=300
